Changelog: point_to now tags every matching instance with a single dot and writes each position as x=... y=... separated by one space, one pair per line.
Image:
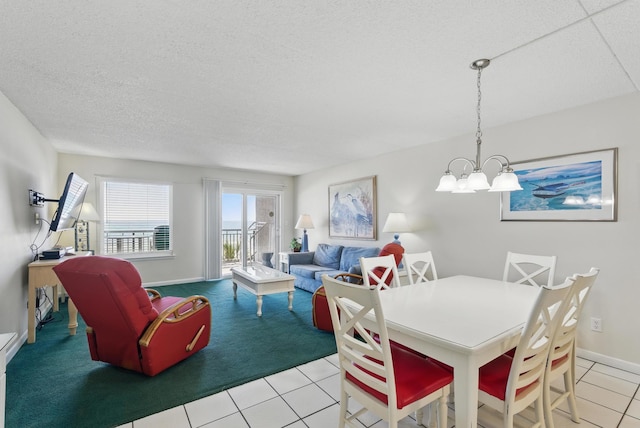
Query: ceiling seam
x=606 y=42
x=544 y=36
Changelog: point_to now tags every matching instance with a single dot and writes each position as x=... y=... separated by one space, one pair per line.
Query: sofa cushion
x=331 y=273
x=328 y=255
x=351 y=256
x=308 y=271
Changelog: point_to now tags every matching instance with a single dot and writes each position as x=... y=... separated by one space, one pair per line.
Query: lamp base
x=305 y=242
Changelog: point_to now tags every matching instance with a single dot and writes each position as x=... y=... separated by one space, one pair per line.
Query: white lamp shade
x=304 y=222
x=396 y=223
x=447 y=183
x=462 y=186
x=505 y=182
x=88 y=212
x=478 y=181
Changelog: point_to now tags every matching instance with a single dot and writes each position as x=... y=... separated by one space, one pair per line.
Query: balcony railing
x=146 y=240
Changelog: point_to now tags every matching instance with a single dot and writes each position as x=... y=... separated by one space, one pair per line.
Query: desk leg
x=31 y=314
x=465 y=384
x=73 y=317
x=56 y=304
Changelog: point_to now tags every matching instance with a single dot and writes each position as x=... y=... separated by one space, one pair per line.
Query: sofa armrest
x=301 y=258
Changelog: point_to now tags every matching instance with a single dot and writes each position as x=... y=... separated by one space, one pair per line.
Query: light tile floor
x=307 y=396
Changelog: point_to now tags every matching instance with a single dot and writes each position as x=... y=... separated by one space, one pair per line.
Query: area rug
x=54 y=382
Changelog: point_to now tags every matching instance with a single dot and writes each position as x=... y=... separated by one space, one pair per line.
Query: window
x=136 y=218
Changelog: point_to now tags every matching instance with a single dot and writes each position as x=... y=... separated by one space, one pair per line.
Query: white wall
x=188 y=207
x=28 y=162
x=467 y=237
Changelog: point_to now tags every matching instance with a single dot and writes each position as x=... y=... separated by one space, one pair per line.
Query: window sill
x=156 y=255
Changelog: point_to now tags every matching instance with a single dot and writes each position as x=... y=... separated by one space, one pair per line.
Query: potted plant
x=295 y=245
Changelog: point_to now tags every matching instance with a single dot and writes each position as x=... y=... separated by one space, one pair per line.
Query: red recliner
x=128 y=327
x=320 y=306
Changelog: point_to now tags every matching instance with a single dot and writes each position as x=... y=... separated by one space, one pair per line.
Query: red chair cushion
x=416 y=377
x=494 y=376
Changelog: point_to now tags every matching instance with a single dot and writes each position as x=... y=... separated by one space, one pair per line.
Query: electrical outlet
x=37 y=218
x=596 y=324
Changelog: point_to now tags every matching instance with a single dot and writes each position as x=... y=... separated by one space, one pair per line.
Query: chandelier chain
x=479 y=131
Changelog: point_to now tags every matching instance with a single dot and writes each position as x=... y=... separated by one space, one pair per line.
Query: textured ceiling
x=292 y=86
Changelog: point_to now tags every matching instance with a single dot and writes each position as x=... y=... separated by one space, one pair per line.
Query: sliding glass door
x=249 y=228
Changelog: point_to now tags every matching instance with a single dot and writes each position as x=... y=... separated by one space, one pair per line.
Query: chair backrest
x=527 y=268
x=562 y=347
x=420 y=267
x=364 y=361
x=530 y=359
x=109 y=295
x=380 y=272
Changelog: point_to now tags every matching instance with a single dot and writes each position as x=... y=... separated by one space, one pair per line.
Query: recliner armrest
x=185 y=308
x=301 y=258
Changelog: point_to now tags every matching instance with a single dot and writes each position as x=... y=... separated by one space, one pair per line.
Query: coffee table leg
x=235 y=291
x=290 y=300
x=259 y=304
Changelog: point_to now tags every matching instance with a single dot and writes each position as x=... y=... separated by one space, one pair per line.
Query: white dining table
x=462 y=321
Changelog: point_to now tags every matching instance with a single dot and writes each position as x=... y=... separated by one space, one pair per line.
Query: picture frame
x=573 y=187
x=352 y=209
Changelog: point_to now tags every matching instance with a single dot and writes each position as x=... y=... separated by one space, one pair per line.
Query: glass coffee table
x=260 y=280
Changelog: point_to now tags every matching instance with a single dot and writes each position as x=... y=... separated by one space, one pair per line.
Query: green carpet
x=54 y=382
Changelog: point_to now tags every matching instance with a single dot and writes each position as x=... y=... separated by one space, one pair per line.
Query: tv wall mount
x=37 y=199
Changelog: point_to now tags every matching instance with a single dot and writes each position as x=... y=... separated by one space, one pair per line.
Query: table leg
x=465 y=384
x=290 y=300
x=235 y=291
x=73 y=317
x=259 y=304
x=31 y=314
x=56 y=304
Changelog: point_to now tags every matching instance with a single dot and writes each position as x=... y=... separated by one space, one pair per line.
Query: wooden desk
x=40 y=275
x=462 y=321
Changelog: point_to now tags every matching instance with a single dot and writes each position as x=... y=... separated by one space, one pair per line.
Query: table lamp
x=87 y=213
x=396 y=223
x=304 y=222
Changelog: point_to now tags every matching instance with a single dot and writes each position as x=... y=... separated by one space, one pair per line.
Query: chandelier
x=505 y=181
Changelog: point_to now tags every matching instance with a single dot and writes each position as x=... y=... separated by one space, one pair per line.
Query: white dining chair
x=562 y=356
x=510 y=385
x=528 y=268
x=390 y=382
x=420 y=267
x=380 y=272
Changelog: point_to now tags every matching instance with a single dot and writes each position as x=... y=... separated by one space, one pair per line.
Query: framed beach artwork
x=352 y=209
x=574 y=187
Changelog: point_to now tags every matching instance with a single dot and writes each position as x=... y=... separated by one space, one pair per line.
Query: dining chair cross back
x=420 y=267
x=390 y=382
x=380 y=272
x=562 y=357
x=528 y=268
x=510 y=385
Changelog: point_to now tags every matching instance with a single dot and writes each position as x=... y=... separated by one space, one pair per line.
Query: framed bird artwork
x=352 y=209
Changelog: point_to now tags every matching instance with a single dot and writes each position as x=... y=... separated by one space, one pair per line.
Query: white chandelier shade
x=505 y=181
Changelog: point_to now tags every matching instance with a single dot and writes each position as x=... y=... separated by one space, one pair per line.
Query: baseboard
x=173 y=282
x=609 y=361
x=45 y=308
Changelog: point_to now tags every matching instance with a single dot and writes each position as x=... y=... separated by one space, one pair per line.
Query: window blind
x=137 y=217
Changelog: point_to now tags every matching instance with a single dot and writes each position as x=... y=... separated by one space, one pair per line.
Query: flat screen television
x=70 y=203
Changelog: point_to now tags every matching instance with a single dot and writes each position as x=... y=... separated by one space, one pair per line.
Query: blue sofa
x=309 y=267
